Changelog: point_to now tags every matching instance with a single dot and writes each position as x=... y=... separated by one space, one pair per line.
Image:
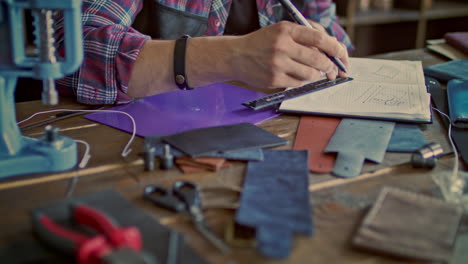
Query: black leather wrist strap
x=179 y=63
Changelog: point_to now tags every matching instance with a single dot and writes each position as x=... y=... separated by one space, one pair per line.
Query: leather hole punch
x=426 y=157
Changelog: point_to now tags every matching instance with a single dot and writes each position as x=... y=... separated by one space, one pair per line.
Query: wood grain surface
x=338 y=204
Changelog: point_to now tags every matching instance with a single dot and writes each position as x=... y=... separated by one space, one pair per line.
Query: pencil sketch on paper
x=378 y=95
x=387 y=72
x=381 y=88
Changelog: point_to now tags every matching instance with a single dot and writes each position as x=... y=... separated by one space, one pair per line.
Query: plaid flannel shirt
x=111 y=44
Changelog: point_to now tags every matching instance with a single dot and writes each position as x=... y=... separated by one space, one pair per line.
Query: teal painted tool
x=20 y=154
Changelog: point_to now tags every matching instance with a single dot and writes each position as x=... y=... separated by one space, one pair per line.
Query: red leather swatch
x=313 y=135
x=458 y=40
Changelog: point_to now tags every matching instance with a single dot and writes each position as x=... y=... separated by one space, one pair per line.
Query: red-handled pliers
x=111 y=244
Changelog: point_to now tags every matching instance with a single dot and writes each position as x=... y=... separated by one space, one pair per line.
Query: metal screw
x=51 y=133
x=149 y=157
x=44 y=40
x=167 y=159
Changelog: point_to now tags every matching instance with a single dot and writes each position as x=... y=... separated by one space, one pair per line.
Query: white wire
x=456 y=185
x=126 y=149
x=84 y=161
x=86 y=156
x=449 y=135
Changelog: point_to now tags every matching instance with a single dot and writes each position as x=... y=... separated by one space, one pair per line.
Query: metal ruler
x=276 y=98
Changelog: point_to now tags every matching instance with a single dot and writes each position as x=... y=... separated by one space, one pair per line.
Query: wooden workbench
x=338 y=205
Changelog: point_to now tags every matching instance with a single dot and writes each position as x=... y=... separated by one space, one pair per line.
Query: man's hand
x=345 y=60
x=286 y=54
x=280 y=55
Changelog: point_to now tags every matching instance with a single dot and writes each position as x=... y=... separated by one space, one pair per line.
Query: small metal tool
x=52 y=133
x=173 y=251
x=149 y=158
x=166 y=159
x=184 y=196
x=426 y=157
x=45 y=42
x=21 y=154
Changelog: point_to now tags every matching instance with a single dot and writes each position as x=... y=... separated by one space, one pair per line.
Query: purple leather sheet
x=177 y=111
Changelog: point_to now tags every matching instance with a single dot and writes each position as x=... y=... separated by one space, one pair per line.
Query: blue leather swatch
x=406 y=138
x=459 y=135
x=457 y=96
x=274 y=241
x=455 y=69
x=276 y=200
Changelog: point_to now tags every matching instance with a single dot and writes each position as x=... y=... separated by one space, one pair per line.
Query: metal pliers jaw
x=110 y=244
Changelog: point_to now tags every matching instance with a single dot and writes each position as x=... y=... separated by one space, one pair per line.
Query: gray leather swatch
x=356 y=140
x=410 y=225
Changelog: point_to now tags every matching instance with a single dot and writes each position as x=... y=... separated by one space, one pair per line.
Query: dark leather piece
x=154 y=235
x=410 y=225
x=199 y=142
x=242 y=155
x=406 y=138
x=275 y=200
x=459 y=135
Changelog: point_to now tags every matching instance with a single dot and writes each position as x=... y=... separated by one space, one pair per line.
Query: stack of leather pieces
x=192 y=165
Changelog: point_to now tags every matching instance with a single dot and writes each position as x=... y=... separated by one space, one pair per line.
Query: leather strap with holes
x=180 y=77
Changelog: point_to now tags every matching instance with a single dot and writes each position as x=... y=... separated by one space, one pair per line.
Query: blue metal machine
x=53 y=152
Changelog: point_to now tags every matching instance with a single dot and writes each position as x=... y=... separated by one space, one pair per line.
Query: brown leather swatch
x=410 y=225
x=313 y=135
x=189 y=165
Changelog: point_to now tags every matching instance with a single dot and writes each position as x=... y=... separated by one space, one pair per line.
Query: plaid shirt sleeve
x=324 y=12
x=111 y=47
